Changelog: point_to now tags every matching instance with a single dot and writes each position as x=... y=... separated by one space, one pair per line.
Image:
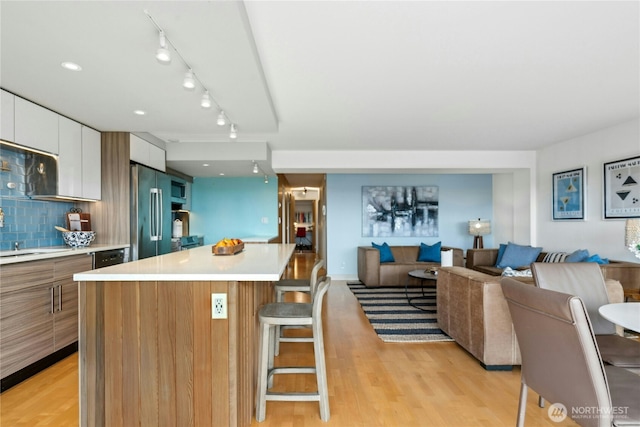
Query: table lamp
x=478 y=228
x=632 y=236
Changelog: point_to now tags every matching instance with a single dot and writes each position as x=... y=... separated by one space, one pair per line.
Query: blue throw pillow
x=516 y=256
x=500 y=253
x=385 y=252
x=430 y=253
x=596 y=258
x=578 y=256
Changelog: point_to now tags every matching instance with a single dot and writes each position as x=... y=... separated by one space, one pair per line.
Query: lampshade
x=446 y=258
x=479 y=227
x=632 y=236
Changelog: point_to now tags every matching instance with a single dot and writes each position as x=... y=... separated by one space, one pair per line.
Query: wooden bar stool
x=294 y=285
x=292 y=313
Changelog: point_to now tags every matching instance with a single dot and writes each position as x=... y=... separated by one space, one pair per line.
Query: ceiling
x=331 y=75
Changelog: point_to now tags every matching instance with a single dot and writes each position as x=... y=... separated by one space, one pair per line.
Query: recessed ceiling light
x=221 y=173
x=71 y=66
x=139 y=112
x=205 y=164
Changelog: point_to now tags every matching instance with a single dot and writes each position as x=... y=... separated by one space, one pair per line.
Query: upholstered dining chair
x=561 y=361
x=281 y=287
x=292 y=313
x=584 y=279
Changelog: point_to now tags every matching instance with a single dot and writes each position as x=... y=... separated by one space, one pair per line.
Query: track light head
x=233 y=133
x=189 y=82
x=221 y=119
x=266 y=179
x=205 y=102
x=255 y=167
x=162 y=54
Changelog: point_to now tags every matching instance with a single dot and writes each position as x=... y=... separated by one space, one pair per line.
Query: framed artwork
x=400 y=211
x=569 y=194
x=621 y=188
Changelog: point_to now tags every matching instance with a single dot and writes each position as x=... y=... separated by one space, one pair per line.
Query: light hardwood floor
x=370 y=383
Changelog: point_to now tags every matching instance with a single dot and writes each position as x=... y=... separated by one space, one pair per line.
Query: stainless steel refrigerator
x=150 y=212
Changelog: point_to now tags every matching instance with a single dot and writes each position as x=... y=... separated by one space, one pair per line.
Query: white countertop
x=55 y=252
x=255 y=263
x=257 y=239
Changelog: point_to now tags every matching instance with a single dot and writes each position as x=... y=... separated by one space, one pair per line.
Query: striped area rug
x=394 y=320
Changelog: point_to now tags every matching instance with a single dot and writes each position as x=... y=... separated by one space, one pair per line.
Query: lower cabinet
x=38 y=310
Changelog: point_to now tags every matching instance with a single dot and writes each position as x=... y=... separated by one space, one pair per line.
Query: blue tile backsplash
x=30 y=222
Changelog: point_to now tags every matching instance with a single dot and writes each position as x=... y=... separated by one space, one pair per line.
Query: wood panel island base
x=150 y=353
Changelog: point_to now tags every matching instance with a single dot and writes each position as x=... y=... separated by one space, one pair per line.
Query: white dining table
x=625 y=314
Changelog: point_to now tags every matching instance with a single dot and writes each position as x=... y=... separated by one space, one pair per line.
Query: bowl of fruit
x=227 y=247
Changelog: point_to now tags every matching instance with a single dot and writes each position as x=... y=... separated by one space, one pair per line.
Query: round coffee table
x=423 y=276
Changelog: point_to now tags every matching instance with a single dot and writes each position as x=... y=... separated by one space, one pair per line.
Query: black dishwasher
x=106 y=258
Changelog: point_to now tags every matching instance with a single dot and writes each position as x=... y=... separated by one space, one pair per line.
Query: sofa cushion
x=555 y=257
x=430 y=253
x=596 y=258
x=518 y=256
x=577 y=256
x=500 y=253
x=385 y=252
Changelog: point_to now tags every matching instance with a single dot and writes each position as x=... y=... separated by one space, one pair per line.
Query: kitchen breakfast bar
x=150 y=352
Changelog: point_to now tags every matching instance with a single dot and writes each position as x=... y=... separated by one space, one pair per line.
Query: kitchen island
x=150 y=352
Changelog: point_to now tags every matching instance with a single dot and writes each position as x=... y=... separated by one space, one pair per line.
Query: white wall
x=604 y=237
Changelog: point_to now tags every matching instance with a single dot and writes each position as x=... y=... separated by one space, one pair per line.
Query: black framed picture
x=569 y=195
x=621 y=188
x=400 y=211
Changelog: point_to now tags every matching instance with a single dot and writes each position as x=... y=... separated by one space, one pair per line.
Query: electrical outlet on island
x=218 y=306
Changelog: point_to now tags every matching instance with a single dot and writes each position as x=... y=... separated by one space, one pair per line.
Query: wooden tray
x=227 y=250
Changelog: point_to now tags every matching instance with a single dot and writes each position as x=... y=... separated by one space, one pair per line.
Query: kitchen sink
x=32 y=251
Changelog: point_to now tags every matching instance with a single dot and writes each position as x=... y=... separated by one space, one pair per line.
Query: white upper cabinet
x=7 y=116
x=70 y=158
x=35 y=126
x=79 y=165
x=144 y=152
x=91 y=164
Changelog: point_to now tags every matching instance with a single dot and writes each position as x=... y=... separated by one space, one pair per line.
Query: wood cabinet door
x=26 y=318
x=65 y=326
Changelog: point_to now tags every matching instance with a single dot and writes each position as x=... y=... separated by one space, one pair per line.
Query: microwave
x=178 y=190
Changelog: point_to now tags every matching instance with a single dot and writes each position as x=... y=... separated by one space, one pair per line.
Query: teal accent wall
x=462 y=198
x=233 y=207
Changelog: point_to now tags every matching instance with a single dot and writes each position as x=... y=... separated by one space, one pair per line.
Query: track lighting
x=162 y=54
x=255 y=167
x=221 y=119
x=266 y=179
x=205 y=102
x=189 y=83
